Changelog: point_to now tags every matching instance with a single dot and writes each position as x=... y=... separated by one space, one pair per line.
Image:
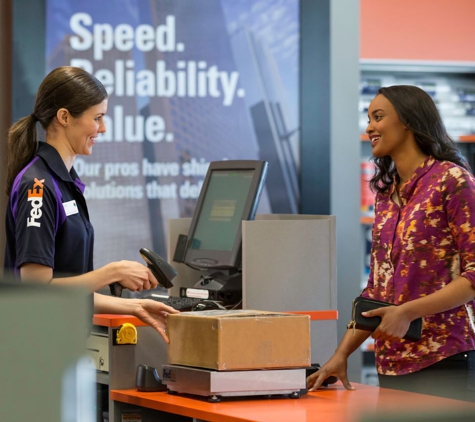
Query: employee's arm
x=149 y=311
x=337 y=365
x=130 y=274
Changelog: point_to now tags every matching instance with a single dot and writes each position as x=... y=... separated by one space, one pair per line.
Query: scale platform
x=217 y=384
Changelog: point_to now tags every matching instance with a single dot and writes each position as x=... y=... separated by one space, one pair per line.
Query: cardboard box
x=239 y=339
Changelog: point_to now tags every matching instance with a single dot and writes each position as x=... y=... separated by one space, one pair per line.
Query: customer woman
x=423 y=253
x=49 y=236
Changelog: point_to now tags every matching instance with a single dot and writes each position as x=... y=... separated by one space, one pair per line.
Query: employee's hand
x=154 y=314
x=394 y=323
x=336 y=366
x=134 y=276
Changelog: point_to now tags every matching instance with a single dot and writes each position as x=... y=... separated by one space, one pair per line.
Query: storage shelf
x=417 y=66
x=462 y=138
x=367 y=220
x=466 y=138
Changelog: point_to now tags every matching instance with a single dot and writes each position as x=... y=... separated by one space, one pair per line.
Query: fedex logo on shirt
x=35 y=196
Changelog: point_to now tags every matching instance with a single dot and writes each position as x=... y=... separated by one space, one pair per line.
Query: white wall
x=345 y=161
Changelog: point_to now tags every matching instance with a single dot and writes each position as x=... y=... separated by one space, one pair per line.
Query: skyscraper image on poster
x=189 y=82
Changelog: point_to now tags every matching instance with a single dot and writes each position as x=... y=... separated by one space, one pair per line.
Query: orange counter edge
x=111 y=320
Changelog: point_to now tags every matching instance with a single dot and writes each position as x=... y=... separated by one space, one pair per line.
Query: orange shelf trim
x=318 y=315
x=112 y=320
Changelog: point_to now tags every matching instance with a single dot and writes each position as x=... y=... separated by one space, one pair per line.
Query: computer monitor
x=230 y=194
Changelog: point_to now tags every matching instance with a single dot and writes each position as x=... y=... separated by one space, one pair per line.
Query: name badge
x=70 y=207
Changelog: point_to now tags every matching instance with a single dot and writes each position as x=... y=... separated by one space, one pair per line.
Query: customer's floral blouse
x=419 y=246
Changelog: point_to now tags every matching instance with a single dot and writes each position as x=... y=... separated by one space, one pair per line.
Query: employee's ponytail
x=22 y=144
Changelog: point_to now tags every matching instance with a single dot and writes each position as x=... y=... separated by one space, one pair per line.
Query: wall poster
x=189 y=82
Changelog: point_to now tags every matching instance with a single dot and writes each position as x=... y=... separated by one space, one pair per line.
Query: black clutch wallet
x=362 y=304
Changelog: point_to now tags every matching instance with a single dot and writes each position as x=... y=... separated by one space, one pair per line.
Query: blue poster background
x=189 y=82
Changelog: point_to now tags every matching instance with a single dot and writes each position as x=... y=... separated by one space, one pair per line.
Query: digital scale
x=217 y=384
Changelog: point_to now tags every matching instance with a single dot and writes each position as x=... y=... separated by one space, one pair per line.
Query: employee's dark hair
x=418 y=112
x=66 y=87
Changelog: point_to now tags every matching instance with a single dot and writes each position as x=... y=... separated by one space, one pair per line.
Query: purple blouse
x=418 y=248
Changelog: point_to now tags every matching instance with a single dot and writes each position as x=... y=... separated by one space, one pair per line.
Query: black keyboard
x=178 y=302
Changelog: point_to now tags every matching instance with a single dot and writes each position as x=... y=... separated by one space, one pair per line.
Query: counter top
x=334 y=404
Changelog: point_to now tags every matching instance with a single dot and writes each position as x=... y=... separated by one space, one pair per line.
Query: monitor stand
x=220 y=285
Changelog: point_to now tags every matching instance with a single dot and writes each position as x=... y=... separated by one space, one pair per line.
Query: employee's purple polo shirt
x=47 y=220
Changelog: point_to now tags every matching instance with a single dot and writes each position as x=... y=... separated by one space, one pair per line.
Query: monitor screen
x=229 y=195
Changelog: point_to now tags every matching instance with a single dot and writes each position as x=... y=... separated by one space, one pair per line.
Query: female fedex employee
x=49 y=236
x=423 y=253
